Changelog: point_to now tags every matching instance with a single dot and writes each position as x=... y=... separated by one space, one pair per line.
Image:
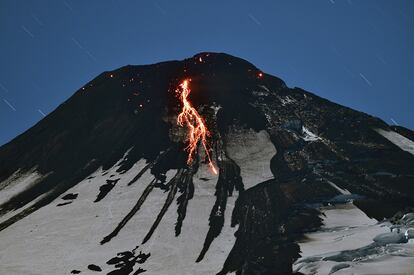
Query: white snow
x=399 y=140
x=264 y=88
x=215 y=108
x=286 y=100
x=308 y=135
x=340 y=190
x=252 y=151
x=348 y=228
x=264 y=91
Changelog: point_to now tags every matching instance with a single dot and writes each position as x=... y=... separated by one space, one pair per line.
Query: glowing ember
x=197 y=130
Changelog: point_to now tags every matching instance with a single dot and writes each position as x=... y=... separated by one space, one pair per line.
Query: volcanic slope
x=104 y=181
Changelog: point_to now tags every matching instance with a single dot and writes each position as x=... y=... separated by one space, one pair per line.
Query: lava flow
x=197 y=130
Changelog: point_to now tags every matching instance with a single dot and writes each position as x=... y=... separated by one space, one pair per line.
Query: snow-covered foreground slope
x=59 y=239
x=65 y=236
x=345 y=245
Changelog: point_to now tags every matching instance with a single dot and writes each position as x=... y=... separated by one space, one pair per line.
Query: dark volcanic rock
x=64 y=203
x=105 y=189
x=94 y=268
x=268 y=224
x=70 y=196
x=125 y=262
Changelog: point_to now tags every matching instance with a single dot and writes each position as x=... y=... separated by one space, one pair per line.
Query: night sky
x=356 y=53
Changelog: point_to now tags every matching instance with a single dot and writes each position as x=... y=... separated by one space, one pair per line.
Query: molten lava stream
x=197 y=130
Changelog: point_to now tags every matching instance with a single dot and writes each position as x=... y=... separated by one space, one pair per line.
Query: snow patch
x=17 y=183
x=399 y=140
x=286 y=100
x=308 y=135
x=68 y=237
x=342 y=191
x=264 y=88
x=264 y=91
x=215 y=108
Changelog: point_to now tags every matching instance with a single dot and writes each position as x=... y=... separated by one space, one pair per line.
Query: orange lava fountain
x=197 y=130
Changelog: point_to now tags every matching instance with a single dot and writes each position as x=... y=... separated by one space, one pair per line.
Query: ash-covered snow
x=252 y=151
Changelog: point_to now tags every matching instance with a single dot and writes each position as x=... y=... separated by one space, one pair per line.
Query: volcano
x=242 y=175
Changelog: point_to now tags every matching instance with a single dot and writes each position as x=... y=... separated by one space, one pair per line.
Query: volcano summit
x=206 y=166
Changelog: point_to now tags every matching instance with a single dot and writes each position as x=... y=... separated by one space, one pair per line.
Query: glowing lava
x=197 y=130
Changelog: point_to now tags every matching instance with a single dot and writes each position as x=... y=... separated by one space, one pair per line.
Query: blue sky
x=356 y=53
